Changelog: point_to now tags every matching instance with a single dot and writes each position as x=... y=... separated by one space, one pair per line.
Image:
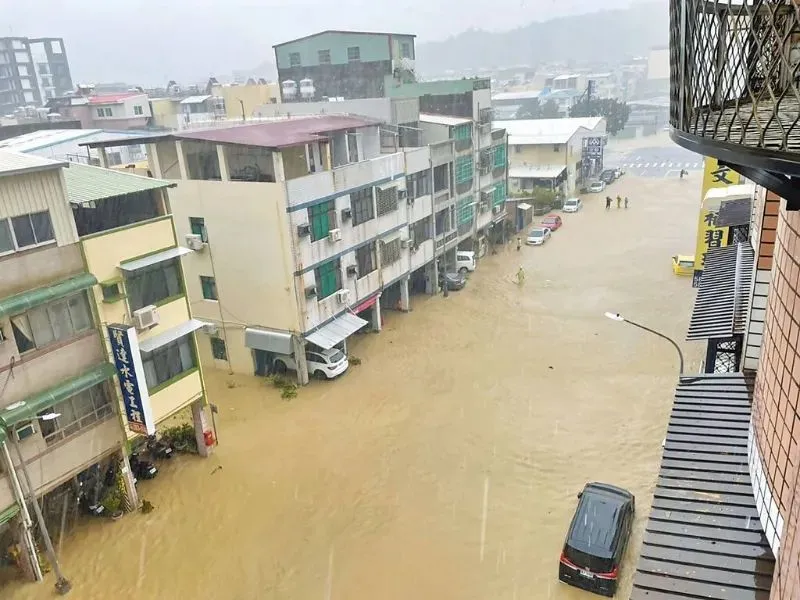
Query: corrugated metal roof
x=14 y=163
x=443 y=120
x=704 y=537
x=720 y=309
x=547 y=131
x=87 y=184
x=337 y=330
x=536 y=171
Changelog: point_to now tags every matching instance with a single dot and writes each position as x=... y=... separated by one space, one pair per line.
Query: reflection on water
x=446 y=465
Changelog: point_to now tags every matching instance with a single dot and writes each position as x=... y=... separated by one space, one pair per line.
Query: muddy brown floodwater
x=446 y=465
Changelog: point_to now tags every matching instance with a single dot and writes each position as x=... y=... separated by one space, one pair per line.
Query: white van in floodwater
x=465 y=261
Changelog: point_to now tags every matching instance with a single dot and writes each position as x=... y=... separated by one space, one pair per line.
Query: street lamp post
x=63 y=585
x=620 y=318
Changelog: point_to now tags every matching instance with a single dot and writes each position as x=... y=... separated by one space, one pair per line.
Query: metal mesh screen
x=735 y=71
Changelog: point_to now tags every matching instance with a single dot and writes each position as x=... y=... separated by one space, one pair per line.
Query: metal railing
x=735 y=72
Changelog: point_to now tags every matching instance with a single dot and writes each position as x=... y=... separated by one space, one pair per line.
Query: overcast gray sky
x=152 y=41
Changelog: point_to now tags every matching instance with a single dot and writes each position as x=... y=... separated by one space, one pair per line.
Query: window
x=209 y=285
x=387 y=201
x=556 y=147
x=154 y=284
x=218 y=349
x=323 y=218
x=462 y=132
x=54 y=322
x=418 y=184
x=55 y=47
x=441 y=178
x=111 y=291
x=168 y=361
x=362 y=205
x=294 y=59
x=76 y=413
x=463 y=169
x=104 y=112
x=324 y=57
x=500 y=158
x=405 y=50
x=44 y=69
x=328 y=278
x=198 y=227
x=31 y=230
x=390 y=252
x=22 y=71
x=353 y=54
x=6 y=240
x=499 y=194
x=367 y=259
x=138 y=110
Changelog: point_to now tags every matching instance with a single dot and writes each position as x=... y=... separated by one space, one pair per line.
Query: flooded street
x=445 y=465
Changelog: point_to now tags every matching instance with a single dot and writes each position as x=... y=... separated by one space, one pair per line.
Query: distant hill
x=604 y=36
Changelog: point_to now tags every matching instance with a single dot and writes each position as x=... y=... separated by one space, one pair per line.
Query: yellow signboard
x=708 y=234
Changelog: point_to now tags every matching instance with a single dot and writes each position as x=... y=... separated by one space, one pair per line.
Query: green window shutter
x=461 y=132
x=499 y=193
x=465 y=210
x=500 y=156
x=329 y=278
x=464 y=166
x=320 y=221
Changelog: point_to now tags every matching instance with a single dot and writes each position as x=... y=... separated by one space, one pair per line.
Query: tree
x=533 y=109
x=615 y=112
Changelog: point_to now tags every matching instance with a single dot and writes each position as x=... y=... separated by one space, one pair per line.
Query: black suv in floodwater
x=597 y=538
x=608 y=176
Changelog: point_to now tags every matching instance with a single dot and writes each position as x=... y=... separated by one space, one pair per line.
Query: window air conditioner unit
x=402 y=194
x=343 y=296
x=146 y=317
x=303 y=230
x=407 y=243
x=346 y=214
x=335 y=235
x=210 y=329
x=484 y=206
x=23 y=432
x=311 y=291
x=352 y=270
x=195 y=242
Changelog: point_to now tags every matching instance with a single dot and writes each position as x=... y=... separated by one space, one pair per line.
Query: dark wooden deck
x=703 y=538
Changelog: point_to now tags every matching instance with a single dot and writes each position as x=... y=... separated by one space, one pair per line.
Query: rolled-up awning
x=268 y=340
x=152 y=259
x=336 y=331
x=170 y=335
x=27 y=409
x=23 y=301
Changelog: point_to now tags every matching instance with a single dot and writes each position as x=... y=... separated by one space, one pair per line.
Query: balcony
x=735 y=93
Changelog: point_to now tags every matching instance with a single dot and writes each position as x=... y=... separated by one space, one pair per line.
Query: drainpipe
x=27 y=524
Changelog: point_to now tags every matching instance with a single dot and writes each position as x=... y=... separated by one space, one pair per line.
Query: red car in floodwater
x=552 y=222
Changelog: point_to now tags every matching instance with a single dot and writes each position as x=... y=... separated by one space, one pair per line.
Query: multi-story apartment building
x=91 y=288
x=32 y=70
x=726 y=513
x=324 y=230
x=124 y=110
x=346 y=64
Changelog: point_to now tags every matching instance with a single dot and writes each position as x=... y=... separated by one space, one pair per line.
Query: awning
x=524 y=206
x=170 y=335
x=27 y=409
x=734 y=213
x=368 y=303
x=704 y=538
x=720 y=308
x=9 y=513
x=90 y=184
x=337 y=330
x=152 y=259
x=279 y=342
x=23 y=301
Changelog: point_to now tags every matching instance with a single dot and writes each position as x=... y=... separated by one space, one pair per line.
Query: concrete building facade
x=32 y=70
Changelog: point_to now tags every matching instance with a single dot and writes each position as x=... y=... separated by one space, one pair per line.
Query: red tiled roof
x=278 y=134
x=113 y=98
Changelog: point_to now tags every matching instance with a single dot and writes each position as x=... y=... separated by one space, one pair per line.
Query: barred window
x=367 y=259
x=390 y=252
x=418 y=184
x=362 y=205
x=387 y=201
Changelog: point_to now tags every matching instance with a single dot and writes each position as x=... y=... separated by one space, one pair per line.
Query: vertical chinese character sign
x=135 y=396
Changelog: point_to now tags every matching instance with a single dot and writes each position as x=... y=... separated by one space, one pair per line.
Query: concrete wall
x=373 y=47
x=35 y=268
x=253 y=96
x=165 y=112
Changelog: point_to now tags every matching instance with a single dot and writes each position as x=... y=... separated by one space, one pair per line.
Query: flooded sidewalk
x=446 y=464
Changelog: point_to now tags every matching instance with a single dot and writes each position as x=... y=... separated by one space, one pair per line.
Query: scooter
x=142 y=469
x=159 y=448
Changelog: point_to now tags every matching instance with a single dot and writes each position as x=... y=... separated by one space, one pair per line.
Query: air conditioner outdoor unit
x=210 y=329
x=335 y=235
x=352 y=270
x=343 y=296
x=346 y=214
x=311 y=291
x=146 y=317
x=303 y=230
x=22 y=432
x=195 y=242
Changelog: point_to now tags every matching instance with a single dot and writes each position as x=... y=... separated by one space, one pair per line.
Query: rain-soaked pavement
x=446 y=465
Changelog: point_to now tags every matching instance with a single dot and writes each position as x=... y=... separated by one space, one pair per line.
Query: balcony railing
x=735 y=71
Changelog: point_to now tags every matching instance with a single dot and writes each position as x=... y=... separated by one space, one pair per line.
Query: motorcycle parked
x=141 y=468
x=159 y=448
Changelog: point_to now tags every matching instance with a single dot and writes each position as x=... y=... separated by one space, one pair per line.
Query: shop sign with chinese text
x=132 y=383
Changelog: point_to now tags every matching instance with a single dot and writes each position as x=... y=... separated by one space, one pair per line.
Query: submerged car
x=608 y=176
x=572 y=205
x=552 y=222
x=596 y=187
x=683 y=265
x=322 y=364
x=538 y=236
x=597 y=538
x=453 y=280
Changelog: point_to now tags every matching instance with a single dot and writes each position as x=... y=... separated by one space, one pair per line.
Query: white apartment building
x=301 y=227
